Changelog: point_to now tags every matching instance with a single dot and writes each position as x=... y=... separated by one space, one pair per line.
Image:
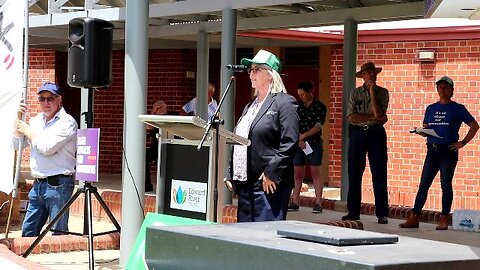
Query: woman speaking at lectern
x=262 y=174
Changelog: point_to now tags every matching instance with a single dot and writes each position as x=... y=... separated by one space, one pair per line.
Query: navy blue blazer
x=274 y=140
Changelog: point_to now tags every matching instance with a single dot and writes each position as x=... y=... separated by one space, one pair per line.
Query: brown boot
x=412 y=222
x=442 y=223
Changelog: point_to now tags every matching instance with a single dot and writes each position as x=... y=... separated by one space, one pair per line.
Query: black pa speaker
x=89 y=53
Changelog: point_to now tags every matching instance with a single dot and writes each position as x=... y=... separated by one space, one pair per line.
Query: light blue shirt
x=191 y=107
x=54 y=145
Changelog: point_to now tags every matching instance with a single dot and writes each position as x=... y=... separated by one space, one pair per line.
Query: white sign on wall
x=189 y=196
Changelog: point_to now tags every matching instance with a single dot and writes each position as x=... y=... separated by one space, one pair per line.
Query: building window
x=302 y=57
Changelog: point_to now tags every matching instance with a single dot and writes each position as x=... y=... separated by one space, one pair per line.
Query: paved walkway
x=108 y=259
x=426 y=230
x=104 y=259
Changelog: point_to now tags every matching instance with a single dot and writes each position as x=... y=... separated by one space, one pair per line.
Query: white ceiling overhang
x=468 y=9
x=177 y=23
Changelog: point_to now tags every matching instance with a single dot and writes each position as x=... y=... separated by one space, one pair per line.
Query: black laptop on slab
x=337 y=236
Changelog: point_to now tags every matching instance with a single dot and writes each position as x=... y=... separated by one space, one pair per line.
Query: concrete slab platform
x=257 y=246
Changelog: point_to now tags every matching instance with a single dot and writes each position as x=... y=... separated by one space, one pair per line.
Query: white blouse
x=240 y=151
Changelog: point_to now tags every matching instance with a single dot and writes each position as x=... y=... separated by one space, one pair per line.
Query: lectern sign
x=87 y=154
x=189 y=196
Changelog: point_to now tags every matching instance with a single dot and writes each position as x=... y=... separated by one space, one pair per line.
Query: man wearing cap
x=367 y=112
x=52 y=136
x=445 y=118
x=262 y=172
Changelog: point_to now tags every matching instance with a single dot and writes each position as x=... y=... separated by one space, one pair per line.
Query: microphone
x=237 y=68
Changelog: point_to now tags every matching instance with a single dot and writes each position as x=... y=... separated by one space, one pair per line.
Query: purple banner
x=87 y=154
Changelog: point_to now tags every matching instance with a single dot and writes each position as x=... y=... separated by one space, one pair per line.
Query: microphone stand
x=215 y=122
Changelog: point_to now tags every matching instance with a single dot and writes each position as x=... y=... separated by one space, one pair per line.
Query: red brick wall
x=42 y=67
x=47 y=65
x=166 y=81
x=412 y=88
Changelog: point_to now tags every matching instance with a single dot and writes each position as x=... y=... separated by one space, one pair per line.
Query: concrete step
x=328 y=193
x=331 y=193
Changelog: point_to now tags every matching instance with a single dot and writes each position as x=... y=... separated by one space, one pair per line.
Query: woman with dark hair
x=312 y=115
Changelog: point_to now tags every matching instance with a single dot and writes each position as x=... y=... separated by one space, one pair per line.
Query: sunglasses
x=47 y=99
x=254 y=70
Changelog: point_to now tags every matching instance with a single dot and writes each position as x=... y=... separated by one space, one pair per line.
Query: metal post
x=228 y=52
x=25 y=94
x=18 y=162
x=202 y=75
x=133 y=176
x=349 y=65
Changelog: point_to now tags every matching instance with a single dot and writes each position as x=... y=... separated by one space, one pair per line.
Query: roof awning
x=175 y=24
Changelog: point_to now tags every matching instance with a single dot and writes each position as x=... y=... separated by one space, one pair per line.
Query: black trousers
x=370 y=141
x=255 y=205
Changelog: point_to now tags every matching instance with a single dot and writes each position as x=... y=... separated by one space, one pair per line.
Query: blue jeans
x=46 y=201
x=439 y=158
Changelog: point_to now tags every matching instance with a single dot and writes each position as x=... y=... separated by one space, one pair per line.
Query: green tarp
x=136 y=260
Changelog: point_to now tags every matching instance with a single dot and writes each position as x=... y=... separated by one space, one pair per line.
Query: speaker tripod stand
x=88 y=189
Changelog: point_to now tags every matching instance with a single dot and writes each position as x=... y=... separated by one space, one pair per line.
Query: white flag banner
x=11 y=51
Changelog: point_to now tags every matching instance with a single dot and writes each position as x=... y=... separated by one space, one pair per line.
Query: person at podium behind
x=445 y=117
x=262 y=173
x=151 y=153
x=191 y=107
x=52 y=136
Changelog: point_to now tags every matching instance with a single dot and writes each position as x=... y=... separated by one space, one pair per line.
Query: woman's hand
x=456 y=146
x=268 y=185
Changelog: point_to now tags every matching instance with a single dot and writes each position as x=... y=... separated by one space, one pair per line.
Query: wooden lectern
x=185 y=175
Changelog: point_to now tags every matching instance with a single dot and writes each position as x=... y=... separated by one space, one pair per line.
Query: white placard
x=189 y=196
x=308 y=149
x=11 y=52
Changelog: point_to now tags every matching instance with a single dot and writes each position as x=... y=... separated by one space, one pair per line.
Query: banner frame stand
x=18 y=162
